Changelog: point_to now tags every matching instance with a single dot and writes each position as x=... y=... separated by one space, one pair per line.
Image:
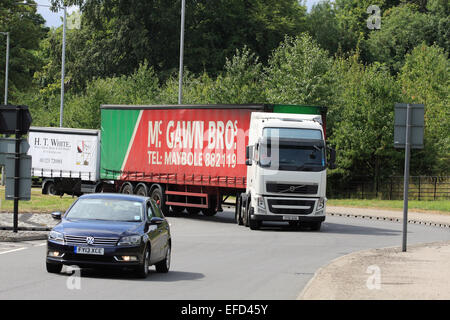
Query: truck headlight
x=56 y=236
x=321 y=203
x=129 y=241
x=260 y=202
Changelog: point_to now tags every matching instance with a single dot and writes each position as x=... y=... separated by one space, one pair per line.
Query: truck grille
x=98 y=241
x=292 y=188
x=291 y=206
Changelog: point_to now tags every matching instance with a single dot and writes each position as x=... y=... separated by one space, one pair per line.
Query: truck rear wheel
x=158 y=196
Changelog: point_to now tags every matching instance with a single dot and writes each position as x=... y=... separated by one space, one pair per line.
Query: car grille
x=98 y=241
x=292 y=188
x=291 y=206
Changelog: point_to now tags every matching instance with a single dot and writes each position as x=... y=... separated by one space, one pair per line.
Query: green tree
x=116 y=35
x=425 y=79
x=403 y=28
x=363 y=113
x=83 y=110
x=26 y=28
x=298 y=73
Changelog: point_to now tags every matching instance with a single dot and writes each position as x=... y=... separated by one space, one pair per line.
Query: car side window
x=149 y=211
x=156 y=209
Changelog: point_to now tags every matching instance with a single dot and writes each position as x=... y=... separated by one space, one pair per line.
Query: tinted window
x=292 y=133
x=156 y=209
x=106 y=209
x=149 y=211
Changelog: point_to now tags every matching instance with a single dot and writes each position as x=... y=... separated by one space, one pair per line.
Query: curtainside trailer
x=271 y=158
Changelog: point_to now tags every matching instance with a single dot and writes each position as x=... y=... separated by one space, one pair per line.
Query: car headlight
x=56 y=236
x=321 y=203
x=129 y=241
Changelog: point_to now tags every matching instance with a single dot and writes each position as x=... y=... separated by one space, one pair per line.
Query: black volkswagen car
x=110 y=230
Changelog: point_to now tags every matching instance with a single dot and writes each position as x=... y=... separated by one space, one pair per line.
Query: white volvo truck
x=287 y=171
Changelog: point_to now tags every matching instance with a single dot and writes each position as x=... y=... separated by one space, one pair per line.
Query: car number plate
x=90 y=250
x=290 y=218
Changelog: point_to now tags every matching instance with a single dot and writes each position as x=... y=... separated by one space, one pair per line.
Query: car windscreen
x=106 y=209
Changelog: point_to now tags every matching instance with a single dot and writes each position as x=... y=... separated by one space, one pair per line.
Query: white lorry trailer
x=65 y=160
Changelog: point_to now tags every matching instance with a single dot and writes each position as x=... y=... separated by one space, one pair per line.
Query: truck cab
x=286 y=171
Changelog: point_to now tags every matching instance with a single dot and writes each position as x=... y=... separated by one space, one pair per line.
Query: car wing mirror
x=56 y=215
x=156 y=221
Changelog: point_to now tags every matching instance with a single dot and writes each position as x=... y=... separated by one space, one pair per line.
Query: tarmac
x=379 y=274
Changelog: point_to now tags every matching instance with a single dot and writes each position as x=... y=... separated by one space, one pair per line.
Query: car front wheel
x=142 y=270
x=164 y=265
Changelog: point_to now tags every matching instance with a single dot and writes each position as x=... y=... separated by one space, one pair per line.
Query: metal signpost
x=15 y=120
x=408 y=133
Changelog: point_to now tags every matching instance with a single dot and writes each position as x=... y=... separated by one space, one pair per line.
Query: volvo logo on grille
x=90 y=240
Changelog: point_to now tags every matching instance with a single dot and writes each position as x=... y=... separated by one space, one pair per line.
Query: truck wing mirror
x=248 y=153
x=332 y=160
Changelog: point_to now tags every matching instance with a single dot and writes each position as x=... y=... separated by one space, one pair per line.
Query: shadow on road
x=337 y=228
x=221 y=217
x=327 y=227
x=117 y=274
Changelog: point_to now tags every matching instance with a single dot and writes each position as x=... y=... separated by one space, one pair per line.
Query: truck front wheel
x=253 y=224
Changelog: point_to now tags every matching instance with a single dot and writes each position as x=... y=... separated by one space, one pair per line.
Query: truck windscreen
x=289 y=149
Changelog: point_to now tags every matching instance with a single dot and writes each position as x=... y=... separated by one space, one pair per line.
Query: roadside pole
x=2 y=182
x=180 y=81
x=63 y=68
x=406 y=177
x=408 y=133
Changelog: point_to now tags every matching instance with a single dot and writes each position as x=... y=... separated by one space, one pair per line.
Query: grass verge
x=39 y=203
x=442 y=206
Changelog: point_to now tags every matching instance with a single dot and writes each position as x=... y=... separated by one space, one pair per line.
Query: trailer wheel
x=50 y=188
x=157 y=195
x=211 y=210
x=127 y=189
x=142 y=190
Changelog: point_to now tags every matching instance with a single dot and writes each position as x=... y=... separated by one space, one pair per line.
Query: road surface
x=213 y=258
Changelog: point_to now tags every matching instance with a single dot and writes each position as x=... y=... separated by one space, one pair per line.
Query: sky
x=54 y=19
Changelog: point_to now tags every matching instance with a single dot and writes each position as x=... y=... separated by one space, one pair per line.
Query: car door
x=163 y=229
x=153 y=234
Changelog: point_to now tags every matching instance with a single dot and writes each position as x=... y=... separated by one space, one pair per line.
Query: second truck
x=271 y=159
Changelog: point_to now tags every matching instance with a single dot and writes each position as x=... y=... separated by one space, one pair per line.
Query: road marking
x=15 y=250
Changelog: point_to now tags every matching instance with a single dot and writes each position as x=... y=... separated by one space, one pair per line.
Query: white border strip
x=136 y=126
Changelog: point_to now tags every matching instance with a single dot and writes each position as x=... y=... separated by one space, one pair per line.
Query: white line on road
x=10 y=251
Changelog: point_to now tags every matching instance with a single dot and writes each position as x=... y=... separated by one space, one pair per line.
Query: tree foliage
x=26 y=29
